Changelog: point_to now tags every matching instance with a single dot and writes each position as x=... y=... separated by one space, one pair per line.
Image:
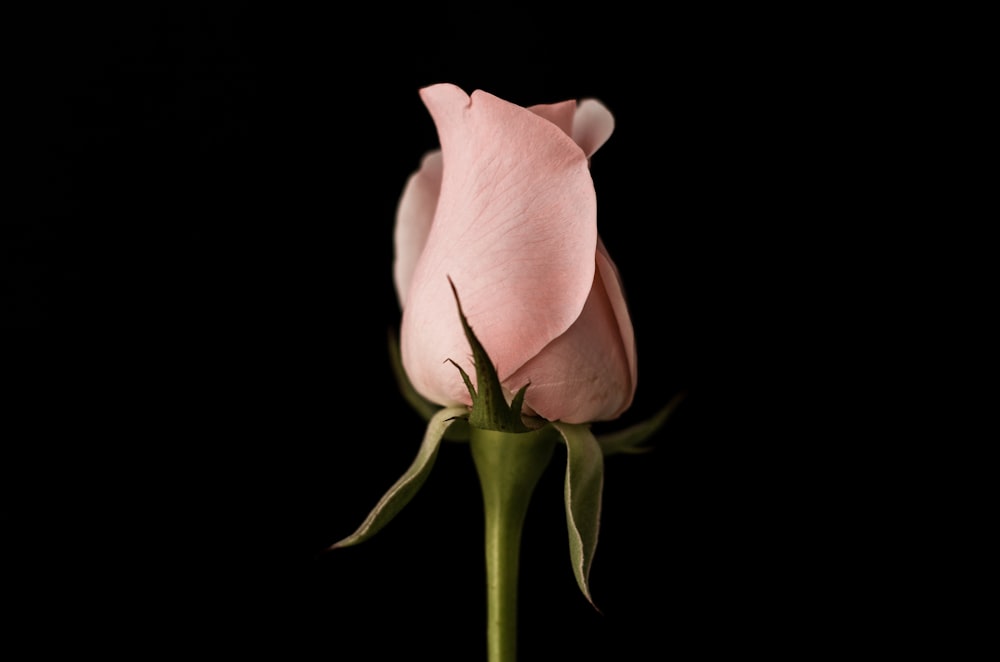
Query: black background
x=199 y=298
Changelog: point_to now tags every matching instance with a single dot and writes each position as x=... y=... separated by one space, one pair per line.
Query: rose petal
x=515 y=229
x=561 y=114
x=616 y=296
x=593 y=124
x=589 y=123
x=414 y=215
x=583 y=375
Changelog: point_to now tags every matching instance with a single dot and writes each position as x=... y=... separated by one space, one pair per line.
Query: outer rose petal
x=561 y=114
x=414 y=215
x=585 y=374
x=515 y=229
x=590 y=124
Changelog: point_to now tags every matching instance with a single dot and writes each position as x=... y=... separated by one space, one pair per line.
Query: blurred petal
x=414 y=215
x=583 y=375
x=515 y=229
x=592 y=125
x=589 y=123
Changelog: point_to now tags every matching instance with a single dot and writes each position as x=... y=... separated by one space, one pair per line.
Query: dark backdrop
x=199 y=297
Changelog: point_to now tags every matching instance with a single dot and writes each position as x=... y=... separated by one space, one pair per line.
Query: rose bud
x=506 y=209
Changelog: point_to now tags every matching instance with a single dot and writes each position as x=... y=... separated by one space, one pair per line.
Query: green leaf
x=459 y=431
x=629 y=439
x=583 y=488
x=409 y=483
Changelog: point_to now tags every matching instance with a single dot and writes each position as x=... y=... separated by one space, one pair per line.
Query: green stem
x=509 y=466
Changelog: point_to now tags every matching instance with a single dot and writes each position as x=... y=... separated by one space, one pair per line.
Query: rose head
x=507 y=209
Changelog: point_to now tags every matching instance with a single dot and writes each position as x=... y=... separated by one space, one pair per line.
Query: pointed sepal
x=404 y=489
x=630 y=439
x=584 y=486
x=490 y=410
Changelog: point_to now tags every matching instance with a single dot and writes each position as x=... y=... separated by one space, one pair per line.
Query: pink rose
x=507 y=209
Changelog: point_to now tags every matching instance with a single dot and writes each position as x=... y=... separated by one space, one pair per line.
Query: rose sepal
x=490 y=409
x=406 y=487
x=631 y=439
x=582 y=492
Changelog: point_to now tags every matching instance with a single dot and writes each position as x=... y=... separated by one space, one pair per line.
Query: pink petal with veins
x=516 y=230
x=588 y=373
